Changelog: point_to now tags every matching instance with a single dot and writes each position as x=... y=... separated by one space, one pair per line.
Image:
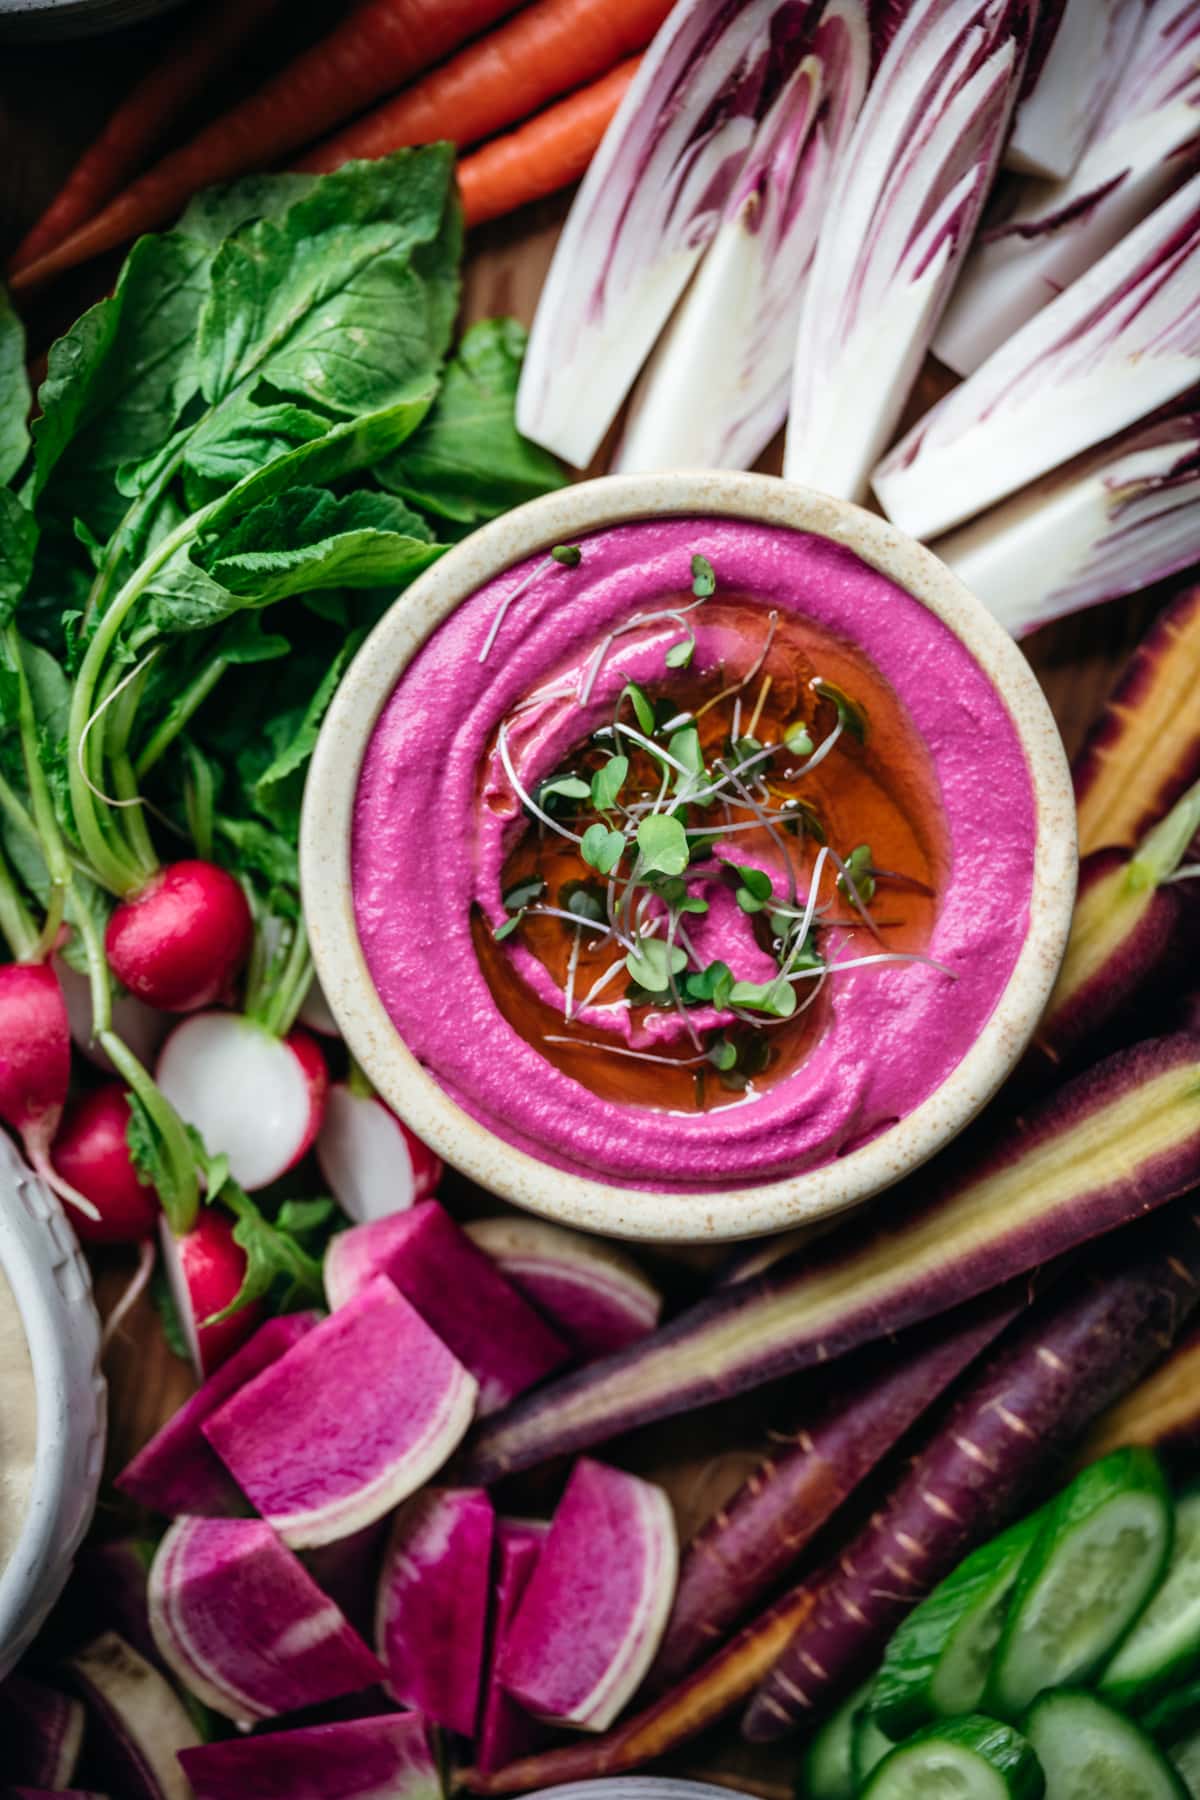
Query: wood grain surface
x=51 y=103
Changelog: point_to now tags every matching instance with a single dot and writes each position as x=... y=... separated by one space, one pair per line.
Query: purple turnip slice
x=431 y=1618
x=348 y=1422
x=385 y=1758
x=41 y=1732
x=178 y=1471
x=593 y=1293
x=459 y=1292
x=245 y=1627
x=506 y=1730
x=596 y=1606
x=137 y=1724
x=373 y=1163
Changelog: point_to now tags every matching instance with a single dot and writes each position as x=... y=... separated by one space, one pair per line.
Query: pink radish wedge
x=178 y=1471
x=597 y=1603
x=592 y=1293
x=373 y=1163
x=255 y=1098
x=506 y=1730
x=433 y=1604
x=41 y=1731
x=352 y=1420
x=245 y=1627
x=205 y=1270
x=137 y=1724
x=387 y=1758
x=179 y=942
x=504 y=1342
x=35 y=1067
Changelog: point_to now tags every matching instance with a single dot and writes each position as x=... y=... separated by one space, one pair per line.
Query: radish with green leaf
x=137 y=1724
x=35 y=1068
x=432 y=1609
x=386 y=1758
x=373 y=1163
x=592 y=1293
x=206 y=1271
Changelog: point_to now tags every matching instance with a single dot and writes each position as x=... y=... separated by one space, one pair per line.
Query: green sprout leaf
x=754 y=886
x=509 y=926
x=711 y=985
x=569 y=555
x=585 y=900
x=859 y=866
x=608 y=782
x=662 y=843
x=851 y=716
x=803 y=819
x=570 y=787
x=723 y=1055
x=601 y=848
x=653 y=963
x=643 y=712
x=524 y=893
x=684 y=746
x=692 y=903
x=777 y=998
x=679 y=656
x=704 y=580
x=796 y=737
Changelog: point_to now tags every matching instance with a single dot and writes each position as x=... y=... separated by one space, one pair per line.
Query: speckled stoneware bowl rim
x=541 y=1187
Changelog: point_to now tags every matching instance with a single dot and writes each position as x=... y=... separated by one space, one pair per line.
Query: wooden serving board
x=52 y=101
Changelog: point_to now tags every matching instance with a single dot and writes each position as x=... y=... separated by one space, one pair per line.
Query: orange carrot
x=547 y=153
x=547 y=50
x=142 y=120
x=381 y=44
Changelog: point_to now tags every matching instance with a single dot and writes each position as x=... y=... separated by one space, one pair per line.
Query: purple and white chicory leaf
x=900 y=214
x=1056 y=118
x=715 y=390
x=649 y=206
x=1044 y=234
x=1121 y=342
x=1113 y=522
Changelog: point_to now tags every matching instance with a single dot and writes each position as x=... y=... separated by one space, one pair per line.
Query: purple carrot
x=1082 y=1346
x=740 y=1556
x=1117 y=1141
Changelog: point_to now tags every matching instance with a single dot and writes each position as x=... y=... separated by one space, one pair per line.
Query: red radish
x=245 y=1627
x=597 y=1604
x=352 y=1420
x=139 y=1027
x=506 y=1730
x=386 y=1758
x=256 y=1098
x=178 y=1471
x=593 y=1293
x=433 y=1604
x=137 y=1724
x=458 y=1291
x=41 y=1731
x=373 y=1163
x=91 y=1151
x=178 y=943
x=35 y=1067
x=205 y=1270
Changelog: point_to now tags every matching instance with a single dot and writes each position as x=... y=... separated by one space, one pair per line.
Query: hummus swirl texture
x=437 y=818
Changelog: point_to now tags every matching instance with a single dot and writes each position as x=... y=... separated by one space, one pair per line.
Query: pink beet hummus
x=510 y=690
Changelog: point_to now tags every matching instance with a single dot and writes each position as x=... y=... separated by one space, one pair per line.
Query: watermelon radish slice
x=178 y=1471
x=136 y=1723
x=386 y=1758
x=433 y=1604
x=597 y=1603
x=41 y=1732
x=592 y=1293
x=374 y=1165
x=458 y=1291
x=506 y=1730
x=348 y=1422
x=245 y=1627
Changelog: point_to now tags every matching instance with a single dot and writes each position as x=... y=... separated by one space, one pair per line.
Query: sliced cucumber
x=827 y=1772
x=1097 y=1558
x=1090 y=1752
x=868 y=1746
x=937 y=1662
x=1175 y=1713
x=1164 y=1646
x=1184 y=1754
x=961 y=1759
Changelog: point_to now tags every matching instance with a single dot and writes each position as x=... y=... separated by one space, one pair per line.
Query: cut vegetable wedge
x=827 y=1772
x=1100 y=1553
x=1162 y=1412
x=972 y=1759
x=1086 y=1748
x=868 y=1747
x=1163 y=1649
x=1184 y=1757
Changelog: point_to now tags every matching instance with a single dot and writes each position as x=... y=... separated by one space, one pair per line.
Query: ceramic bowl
x=576 y=1199
x=42 y=21
x=49 y=1279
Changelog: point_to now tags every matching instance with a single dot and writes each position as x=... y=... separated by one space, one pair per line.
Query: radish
x=506 y=1730
x=137 y=1725
x=180 y=940
x=205 y=1270
x=597 y=1603
x=591 y=1292
x=433 y=1604
x=91 y=1151
x=41 y=1731
x=316 y=1013
x=350 y=1421
x=253 y=1097
x=140 y=1028
x=178 y=1471
x=373 y=1163
x=35 y=1067
x=457 y=1290
x=245 y=1627
x=385 y=1758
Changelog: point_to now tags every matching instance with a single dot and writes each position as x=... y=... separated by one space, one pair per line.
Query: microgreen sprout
x=850 y=715
x=602 y=848
x=662 y=845
x=569 y=555
x=857 y=879
x=608 y=782
x=643 y=712
x=710 y=986
x=517 y=901
x=654 y=962
x=704 y=580
x=680 y=654
x=565 y=787
x=722 y=1055
x=796 y=737
x=754 y=886
x=584 y=900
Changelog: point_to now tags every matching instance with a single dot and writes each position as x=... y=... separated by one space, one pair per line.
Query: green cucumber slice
x=827 y=1772
x=1175 y=1713
x=1164 y=1646
x=868 y=1746
x=961 y=1759
x=1090 y=1752
x=1097 y=1558
x=1184 y=1755
x=937 y=1662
